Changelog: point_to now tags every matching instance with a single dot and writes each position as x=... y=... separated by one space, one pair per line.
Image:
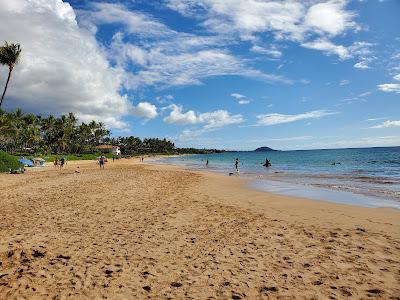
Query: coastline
x=308 y=186
x=236 y=189
x=151 y=230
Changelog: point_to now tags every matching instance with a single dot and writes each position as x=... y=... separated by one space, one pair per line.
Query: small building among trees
x=115 y=150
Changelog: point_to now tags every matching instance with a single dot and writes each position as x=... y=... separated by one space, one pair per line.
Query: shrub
x=8 y=162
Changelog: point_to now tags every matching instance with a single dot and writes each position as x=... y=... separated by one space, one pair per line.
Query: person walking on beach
x=101 y=162
x=56 y=163
x=237 y=164
x=62 y=162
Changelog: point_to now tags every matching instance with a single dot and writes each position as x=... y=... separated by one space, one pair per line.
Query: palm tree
x=9 y=55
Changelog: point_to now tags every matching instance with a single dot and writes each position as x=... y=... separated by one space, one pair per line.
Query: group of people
x=59 y=162
x=266 y=164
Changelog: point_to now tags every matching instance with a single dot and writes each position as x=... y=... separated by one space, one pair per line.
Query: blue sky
x=212 y=73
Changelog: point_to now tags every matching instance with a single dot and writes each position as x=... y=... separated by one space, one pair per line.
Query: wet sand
x=137 y=231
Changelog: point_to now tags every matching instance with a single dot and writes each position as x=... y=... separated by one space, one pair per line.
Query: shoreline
x=244 y=184
x=313 y=191
x=139 y=230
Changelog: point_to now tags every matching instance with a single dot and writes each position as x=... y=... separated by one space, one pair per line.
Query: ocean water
x=366 y=176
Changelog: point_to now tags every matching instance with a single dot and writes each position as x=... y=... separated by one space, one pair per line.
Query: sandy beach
x=139 y=231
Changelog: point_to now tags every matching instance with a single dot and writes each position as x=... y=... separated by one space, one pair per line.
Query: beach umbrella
x=26 y=162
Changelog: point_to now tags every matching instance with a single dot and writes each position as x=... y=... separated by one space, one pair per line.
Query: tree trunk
x=5 y=88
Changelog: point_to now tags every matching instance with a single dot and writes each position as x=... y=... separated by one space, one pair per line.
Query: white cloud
x=190 y=68
x=241 y=99
x=135 y=22
x=286 y=19
x=397 y=77
x=328 y=47
x=298 y=21
x=365 y=94
x=273 y=51
x=190 y=135
x=274 y=119
x=165 y=99
x=363 y=52
x=329 y=17
x=362 y=65
x=238 y=96
x=145 y=110
x=388 y=124
x=164 y=57
x=389 y=87
x=242 y=102
x=215 y=119
x=62 y=68
x=219 y=118
x=344 y=82
x=176 y=116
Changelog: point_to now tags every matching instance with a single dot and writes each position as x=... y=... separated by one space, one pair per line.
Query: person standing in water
x=237 y=164
x=207 y=163
x=267 y=163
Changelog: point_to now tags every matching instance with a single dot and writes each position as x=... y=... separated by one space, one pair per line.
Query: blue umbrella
x=26 y=162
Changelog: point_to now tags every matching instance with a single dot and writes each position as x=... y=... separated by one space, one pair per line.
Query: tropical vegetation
x=8 y=162
x=9 y=56
x=29 y=134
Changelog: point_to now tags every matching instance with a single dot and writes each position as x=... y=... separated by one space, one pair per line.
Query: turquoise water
x=367 y=176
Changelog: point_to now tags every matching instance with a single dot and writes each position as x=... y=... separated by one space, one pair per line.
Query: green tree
x=9 y=56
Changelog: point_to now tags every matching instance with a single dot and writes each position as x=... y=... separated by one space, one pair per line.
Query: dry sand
x=136 y=231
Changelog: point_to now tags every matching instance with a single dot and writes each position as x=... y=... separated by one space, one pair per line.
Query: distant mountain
x=264 y=149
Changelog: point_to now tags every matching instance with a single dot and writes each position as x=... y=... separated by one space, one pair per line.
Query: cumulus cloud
x=311 y=23
x=328 y=47
x=177 y=116
x=286 y=19
x=145 y=110
x=219 y=118
x=329 y=17
x=211 y=120
x=62 y=68
x=274 y=119
x=388 y=124
x=389 y=87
